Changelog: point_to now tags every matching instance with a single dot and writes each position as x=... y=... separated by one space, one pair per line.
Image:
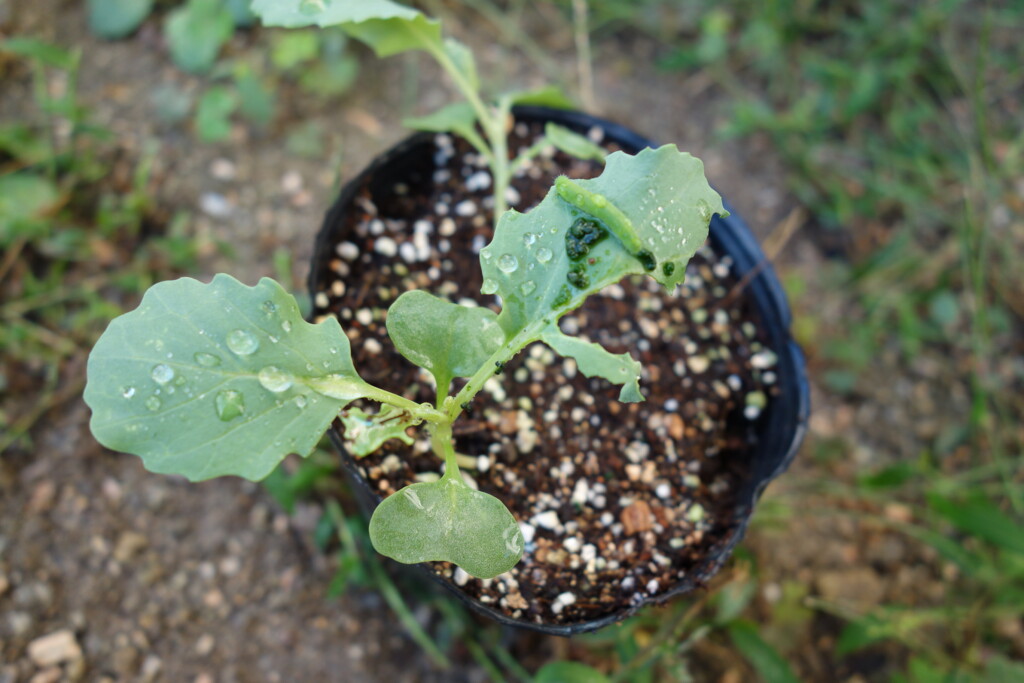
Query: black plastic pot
x=781 y=427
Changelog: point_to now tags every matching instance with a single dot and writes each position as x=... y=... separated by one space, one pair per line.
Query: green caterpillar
x=599 y=207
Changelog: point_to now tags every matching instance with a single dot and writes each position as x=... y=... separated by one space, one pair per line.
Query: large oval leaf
x=447 y=339
x=446 y=520
x=204 y=380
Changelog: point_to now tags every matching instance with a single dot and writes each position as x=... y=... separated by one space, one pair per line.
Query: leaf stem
x=505 y=352
x=340 y=387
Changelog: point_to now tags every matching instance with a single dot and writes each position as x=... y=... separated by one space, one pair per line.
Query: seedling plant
x=206 y=380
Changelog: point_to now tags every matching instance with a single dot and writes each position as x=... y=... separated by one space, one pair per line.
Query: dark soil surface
x=618 y=503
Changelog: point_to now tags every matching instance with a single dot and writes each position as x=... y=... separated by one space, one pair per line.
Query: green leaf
x=241 y=14
x=365 y=433
x=980 y=516
x=647 y=213
x=196 y=32
x=458 y=118
x=387 y=27
x=330 y=77
x=569 y=672
x=25 y=199
x=764 y=659
x=256 y=100
x=572 y=143
x=548 y=96
x=445 y=520
x=117 y=18
x=204 y=380
x=464 y=62
x=595 y=361
x=23 y=143
x=40 y=51
x=213 y=115
x=447 y=339
x=292 y=48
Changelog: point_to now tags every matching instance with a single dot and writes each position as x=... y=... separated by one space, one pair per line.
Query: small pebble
x=55 y=648
x=386 y=247
x=547 y=520
x=347 y=251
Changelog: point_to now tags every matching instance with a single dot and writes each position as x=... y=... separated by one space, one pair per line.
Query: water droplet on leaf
x=162 y=374
x=242 y=342
x=128 y=392
x=269 y=308
x=300 y=401
x=230 y=404
x=286 y=326
x=489 y=287
x=207 y=360
x=544 y=255
x=528 y=287
x=529 y=238
x=153 y=403
x=508 y=263
x=275 y=379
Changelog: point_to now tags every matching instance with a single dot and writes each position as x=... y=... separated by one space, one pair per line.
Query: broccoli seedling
x=205 y=380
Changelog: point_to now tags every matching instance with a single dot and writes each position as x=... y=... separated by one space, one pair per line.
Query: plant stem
x=491 y=120
x=441 y=440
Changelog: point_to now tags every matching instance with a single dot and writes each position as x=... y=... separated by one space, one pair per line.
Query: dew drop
x=274 y=379
x=207 y=360
x=286 y=326
x=127 y=392
x=300 y=401
x=153 y=403
x=179 y=381
x=230 y=404
x=529 y=238
x=162 y=374
x=508 y=263
x=486 y=255
x=269 y=308
x=242 y=342
x=528 y=287
x=489 y=286
x=544 y=255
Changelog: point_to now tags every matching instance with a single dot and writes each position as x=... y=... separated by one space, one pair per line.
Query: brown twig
x=773 y=245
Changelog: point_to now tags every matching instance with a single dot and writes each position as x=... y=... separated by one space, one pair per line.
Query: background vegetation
x=892 y=551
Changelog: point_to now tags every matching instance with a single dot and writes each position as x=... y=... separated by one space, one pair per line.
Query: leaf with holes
x=445 y=520
x=204 y=380
x=647 y=213
x=365 y=433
